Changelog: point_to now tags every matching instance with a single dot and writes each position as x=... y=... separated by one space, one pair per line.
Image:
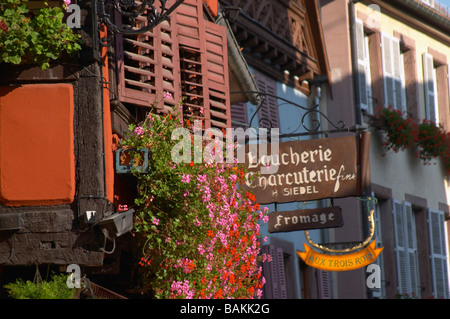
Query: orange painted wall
x=212 y=5
x=37 y=165
x=109 y=152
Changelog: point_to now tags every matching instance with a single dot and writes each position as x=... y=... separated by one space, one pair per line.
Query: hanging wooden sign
x=288 y=221
x=309 y=170
x=343 y=262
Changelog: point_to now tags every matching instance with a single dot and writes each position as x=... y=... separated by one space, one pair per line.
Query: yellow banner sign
x=346 y=262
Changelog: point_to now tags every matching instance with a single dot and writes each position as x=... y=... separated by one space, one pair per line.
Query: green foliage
x=54 y=289
x=197 y=229
x=401 y=132
x=431 y=141
x=38 y=37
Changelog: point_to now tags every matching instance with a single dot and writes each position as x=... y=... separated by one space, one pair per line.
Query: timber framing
x=295 y=46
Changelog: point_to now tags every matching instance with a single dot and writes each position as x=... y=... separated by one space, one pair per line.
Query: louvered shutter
x=323 y=278
x=406 y=248
x=239 y=116
x=216 y=57
x=268 y=115
x=448 y=82
x=412 y=249
x=436 y=223
x=393 y=73
x=147 y=66
x=204 y=66
x=363 y=66
x=429 y=87
x=400 y=247
x=189 y=15
x=274 y=273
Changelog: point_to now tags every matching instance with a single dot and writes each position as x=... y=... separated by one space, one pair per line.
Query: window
x=364 y=97
x=436 y=222
x=393 y=73
x=185 y=52
x=406 y=248
x=430 y=87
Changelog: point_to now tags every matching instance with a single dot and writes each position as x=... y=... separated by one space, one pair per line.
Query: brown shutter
x=274 y=273
x=324 y=284
x=239 y=115
x=147 y=66
x=268 y=112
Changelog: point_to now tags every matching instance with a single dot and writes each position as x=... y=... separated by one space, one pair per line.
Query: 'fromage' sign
x=310 y=170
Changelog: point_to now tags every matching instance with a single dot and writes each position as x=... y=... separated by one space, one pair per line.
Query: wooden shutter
x=448 y=82
x=412 y=249
x=436 y=223
x=203 y=66
x=393 y=73
x=268 y=116
x=323 y=278
x=189 y=16
x=239 y=116
x=400 y=247
x=363 y=66
x=186 y=55
x=274 y=273
x=147 y=66
x=429 y=83
x=406 y=248
x=216 y=57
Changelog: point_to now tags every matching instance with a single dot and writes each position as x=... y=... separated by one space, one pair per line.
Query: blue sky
x=445 y=2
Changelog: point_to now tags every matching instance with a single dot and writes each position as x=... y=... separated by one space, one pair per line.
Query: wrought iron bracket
x=312 y=113
x=130 y=10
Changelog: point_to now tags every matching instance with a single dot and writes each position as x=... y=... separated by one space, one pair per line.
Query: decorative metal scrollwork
x=317 y=124
x=311 y=114
x=130 y=10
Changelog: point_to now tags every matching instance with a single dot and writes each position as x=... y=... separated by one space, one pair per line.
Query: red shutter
x=217 y=76
x=188 y=15
x=147 y=66
x=204 y=66
x=187 y=53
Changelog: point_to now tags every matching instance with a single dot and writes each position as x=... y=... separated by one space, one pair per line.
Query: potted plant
x=34 y=37
x=431 y=140
x=53 y=289
x=401 y=131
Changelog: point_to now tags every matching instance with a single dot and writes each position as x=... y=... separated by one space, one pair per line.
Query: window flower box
x=34 y=37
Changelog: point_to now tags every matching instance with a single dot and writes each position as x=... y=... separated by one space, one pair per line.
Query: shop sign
x=305 y=219
x=343 y=262
x=309 y=170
